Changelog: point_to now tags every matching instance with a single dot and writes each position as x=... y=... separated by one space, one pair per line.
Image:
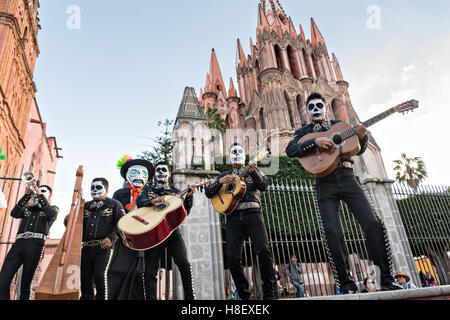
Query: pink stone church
x=273 y=81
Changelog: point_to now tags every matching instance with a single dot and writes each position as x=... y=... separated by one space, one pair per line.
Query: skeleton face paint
x=237 y=155
x=45 y=192
x=162 y=173
x=98 y=190
x=137 y=176
x=316 y=110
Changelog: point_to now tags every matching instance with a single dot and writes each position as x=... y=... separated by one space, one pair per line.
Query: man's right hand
x=157 y=200
x=227 y=179
x=324 y=143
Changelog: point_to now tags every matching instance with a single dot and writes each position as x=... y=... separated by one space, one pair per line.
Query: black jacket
x=123 y=196
x=101 y=218
x=255 y=182
x=36 y=218
x=150 y=192
x=296 y=150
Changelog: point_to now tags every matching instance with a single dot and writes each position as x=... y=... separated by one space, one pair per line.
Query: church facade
x=273 y=82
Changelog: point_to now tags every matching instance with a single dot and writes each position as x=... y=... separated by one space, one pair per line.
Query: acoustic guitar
x=230 y=194
x=346 y=142
x=147 y=227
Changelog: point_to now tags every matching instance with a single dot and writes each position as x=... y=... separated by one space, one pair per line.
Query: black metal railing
x=425 y=213
x=292 y=222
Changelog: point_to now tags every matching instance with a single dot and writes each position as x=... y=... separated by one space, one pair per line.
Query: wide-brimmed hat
x=402 y=274
x=125 y=163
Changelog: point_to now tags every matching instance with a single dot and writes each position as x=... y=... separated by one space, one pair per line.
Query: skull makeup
x=162 y=173
x=98 y=190
x=45 y=192
x=237 y=155
x=137 y=176
x=316 y=110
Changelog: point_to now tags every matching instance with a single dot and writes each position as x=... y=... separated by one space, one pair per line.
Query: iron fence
x=291 y=217
x=425 y=213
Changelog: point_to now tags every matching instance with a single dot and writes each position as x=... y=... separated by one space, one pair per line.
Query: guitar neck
x=244 y=172
x=350 y=133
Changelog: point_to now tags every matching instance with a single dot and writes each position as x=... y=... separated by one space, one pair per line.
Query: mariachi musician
x=151 y=195
x=99 y=235
x=247 y=219
x=342 y=185
x=126 y=273
x=28 y=250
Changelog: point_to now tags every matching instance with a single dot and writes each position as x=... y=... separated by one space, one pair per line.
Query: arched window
x=308 y=65
x=290 y=111
x=293 y=62
x=279 y=57
x=257 y=73
x=283 y=19
x=25 y=34
x=316 y=65
x=302 y=111
x=261 y=118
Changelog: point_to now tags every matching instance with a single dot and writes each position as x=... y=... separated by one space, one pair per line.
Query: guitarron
x=229 y=195
x=61 y=279
x=346 y=143
x=147 y=227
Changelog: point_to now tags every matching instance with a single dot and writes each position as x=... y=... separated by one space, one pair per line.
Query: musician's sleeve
x=51 y=212
x=363 y=143
x=143 y=199
x=188 y=203
x=17 y=211
x=212 y=189
x=259 y=179
x=296 y=150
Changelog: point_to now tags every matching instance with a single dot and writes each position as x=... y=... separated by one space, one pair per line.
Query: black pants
x=343 y=185
x=177 y=249
x=94 y=263
x=125 y=275
x=26 y=252
x=241 y=224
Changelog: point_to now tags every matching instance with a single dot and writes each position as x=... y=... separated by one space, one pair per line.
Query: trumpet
x=28 y=178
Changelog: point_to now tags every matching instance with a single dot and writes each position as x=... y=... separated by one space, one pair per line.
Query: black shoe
x=391 y=286
x=346 y=291
x=348 y=288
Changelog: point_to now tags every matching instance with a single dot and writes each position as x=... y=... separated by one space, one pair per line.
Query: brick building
x=23 y=136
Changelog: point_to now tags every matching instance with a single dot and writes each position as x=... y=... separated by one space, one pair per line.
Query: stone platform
x=434 y=293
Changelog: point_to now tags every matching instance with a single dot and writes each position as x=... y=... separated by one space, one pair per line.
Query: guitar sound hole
x=161 y=206
x=230 y=188
x=337 y=139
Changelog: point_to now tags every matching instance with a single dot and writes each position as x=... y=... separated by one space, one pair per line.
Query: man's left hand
x=106 y=244
x=361 y=131
x=191 y=191
x=252 y=166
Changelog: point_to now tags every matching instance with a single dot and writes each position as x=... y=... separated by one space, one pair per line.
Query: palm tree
x=411 y=170
x=215 y=120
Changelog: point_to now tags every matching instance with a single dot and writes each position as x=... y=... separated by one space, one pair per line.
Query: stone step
x=433 y=293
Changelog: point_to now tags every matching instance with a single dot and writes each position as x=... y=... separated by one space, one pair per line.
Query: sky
x=110 y=70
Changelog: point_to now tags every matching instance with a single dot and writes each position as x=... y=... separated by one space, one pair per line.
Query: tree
x=162 y=151
x=411 y=170
x=215 y=120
